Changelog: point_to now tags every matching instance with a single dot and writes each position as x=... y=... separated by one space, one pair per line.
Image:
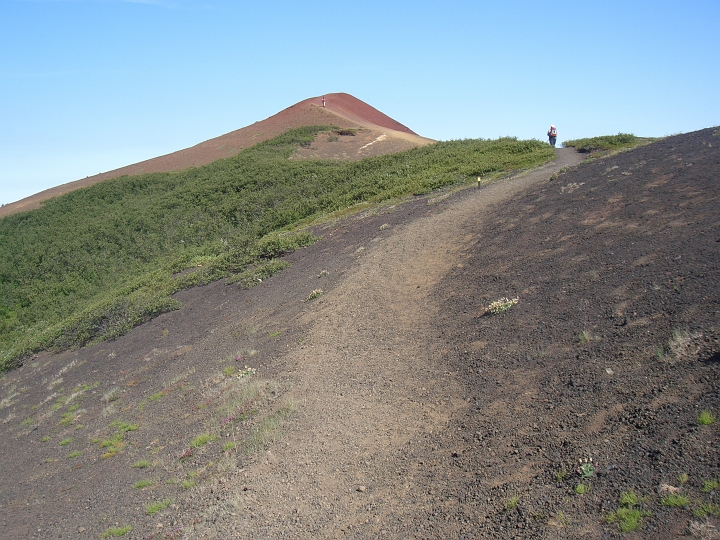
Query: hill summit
x=365 y=132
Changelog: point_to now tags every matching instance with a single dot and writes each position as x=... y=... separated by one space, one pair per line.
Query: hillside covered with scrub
x=94 y=263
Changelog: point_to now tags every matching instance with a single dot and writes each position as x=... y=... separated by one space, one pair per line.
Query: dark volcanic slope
x=612 y=351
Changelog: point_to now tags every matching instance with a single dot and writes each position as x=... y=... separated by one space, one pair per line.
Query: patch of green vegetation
x=116 y=531
x=676 y=500
x=262 y=271
x=66 y=419
x=65 y=442
x=92 y=264
x=143 y=484
x=512 y=502
x=74 y=454
x=113 y=444
x=605 y=142
x=28 y=422
x=188 y=483
x=683 y=478
x=229 y=446
x=124 y=426
x=706 y=418
x=707 y=509
x=586 y=336
x=46 y=438
x=275 y=334
x=155 y=507
x=628 y=517
x=202 y=440
x=142 y=464
x=229 y=371
x=710 y=485
x=560 y=476
x=582 y=489
x=268 y=429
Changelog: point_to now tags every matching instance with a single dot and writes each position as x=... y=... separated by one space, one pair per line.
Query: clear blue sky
x=87 y=86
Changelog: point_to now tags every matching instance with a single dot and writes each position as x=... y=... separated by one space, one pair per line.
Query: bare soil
x=392 y=404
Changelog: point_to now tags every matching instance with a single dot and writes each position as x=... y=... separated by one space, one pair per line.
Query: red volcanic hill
x=367 y=132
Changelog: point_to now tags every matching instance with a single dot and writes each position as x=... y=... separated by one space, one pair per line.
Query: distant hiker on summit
x=323 y=102
x=552 y=135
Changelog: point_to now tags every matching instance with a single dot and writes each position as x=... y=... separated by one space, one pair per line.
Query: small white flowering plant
x=498 y=306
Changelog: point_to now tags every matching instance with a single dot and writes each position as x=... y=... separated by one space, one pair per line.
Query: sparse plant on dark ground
x=676 y=500
x=155 y=507
x=706 y=418
x=503 y=304
x=116 y=531
x=629 y=516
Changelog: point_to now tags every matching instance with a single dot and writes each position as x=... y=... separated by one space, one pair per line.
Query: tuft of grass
x=229 y=371
x=116 y=531
x=74 y=454
x=66 y=419
x=67 y=441
x=582 y=489
x=706 y=418
x=275 y=334
x=124 y=426
x=560 y=476
x=709 y=485
x=628 y=517
x=676 y=500
x=268 y=429
x=142 y=464
x=143 y=484
x=707 y=509
x=229 y=446
x=46 y=438
x=202 y=440
x=115 y=440
x=111 y=395
x=155 y=507
x=683 y=478
x=512 y=502
x=188 y=483
x=586 y=336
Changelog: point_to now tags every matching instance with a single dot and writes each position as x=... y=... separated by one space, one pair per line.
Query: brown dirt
x=342 y=110
x=416 y=415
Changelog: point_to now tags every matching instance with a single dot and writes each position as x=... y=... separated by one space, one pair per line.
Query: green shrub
x=605 y=142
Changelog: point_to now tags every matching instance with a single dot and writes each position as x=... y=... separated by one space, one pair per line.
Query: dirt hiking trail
x=370 y=384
